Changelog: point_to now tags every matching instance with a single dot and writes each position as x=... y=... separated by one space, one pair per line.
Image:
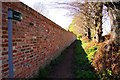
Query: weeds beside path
x=72 y=63
x=83 y=69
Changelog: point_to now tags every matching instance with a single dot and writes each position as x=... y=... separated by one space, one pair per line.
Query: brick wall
x=36 y=41
x=0 y=40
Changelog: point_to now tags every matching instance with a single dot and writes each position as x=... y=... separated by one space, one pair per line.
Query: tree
x=114 y=13
x=87 y=18
x=107 y=59
x=98 y=21
x=92 y=18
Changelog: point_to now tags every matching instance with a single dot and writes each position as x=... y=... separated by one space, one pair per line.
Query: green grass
x=83 y=68
x=90 y=52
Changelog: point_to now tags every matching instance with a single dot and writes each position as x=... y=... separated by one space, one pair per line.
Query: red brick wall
x=36 y=40
x=0 y=40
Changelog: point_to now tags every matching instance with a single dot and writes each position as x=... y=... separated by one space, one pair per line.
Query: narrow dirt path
x=65 y=68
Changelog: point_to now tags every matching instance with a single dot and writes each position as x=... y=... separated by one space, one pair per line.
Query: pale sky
x=58 y=15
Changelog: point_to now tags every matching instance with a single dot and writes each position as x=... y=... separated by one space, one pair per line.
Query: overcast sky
x=61 y=15
x=58 y=16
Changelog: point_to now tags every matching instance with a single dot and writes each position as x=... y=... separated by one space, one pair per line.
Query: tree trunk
x=98 y=22
x=114 y=13
x=89 y=33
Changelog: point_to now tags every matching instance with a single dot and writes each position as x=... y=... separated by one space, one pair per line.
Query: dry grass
x=107 y=60
x=85 y=39
x=91 y=44
x=94 y=43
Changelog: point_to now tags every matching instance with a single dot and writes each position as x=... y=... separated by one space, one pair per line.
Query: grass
x=90 y=52
x=83 y=56
x=85 y=51
x=90 y=48
x=83 y=68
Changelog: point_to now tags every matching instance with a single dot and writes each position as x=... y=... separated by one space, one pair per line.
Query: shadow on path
x=65 y=68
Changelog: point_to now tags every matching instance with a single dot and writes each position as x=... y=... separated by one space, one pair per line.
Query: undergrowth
x=83 y=68
x=90 y=53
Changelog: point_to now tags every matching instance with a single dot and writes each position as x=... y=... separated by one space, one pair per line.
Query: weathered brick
x=4 y=70
x=36 y=39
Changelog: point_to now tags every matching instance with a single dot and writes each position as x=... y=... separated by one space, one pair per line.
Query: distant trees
x=91 y=18
x=87 y=19
x=84 y=19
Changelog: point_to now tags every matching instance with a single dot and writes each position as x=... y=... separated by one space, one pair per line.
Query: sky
x=60 y=15
x=57 y=16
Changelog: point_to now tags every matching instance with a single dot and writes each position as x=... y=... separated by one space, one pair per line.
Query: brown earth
x=65 y=68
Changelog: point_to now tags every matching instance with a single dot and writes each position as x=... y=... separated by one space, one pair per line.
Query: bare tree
x=98 y=21
x=92 y=17
x=114 y=13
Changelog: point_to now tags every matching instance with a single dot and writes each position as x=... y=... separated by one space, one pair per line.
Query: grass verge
x=83 y=68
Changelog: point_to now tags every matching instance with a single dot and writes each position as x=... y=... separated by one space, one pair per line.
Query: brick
x=4 y=70
x=4 y=53
x=5 y=65
x=35 y=40
x=4 y=45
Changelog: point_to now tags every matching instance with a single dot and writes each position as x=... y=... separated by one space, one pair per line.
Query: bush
x=107 y=62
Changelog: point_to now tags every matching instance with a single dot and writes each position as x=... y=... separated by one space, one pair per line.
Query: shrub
x=107 y=61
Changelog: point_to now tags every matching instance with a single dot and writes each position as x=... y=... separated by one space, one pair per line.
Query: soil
x=65 y=68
